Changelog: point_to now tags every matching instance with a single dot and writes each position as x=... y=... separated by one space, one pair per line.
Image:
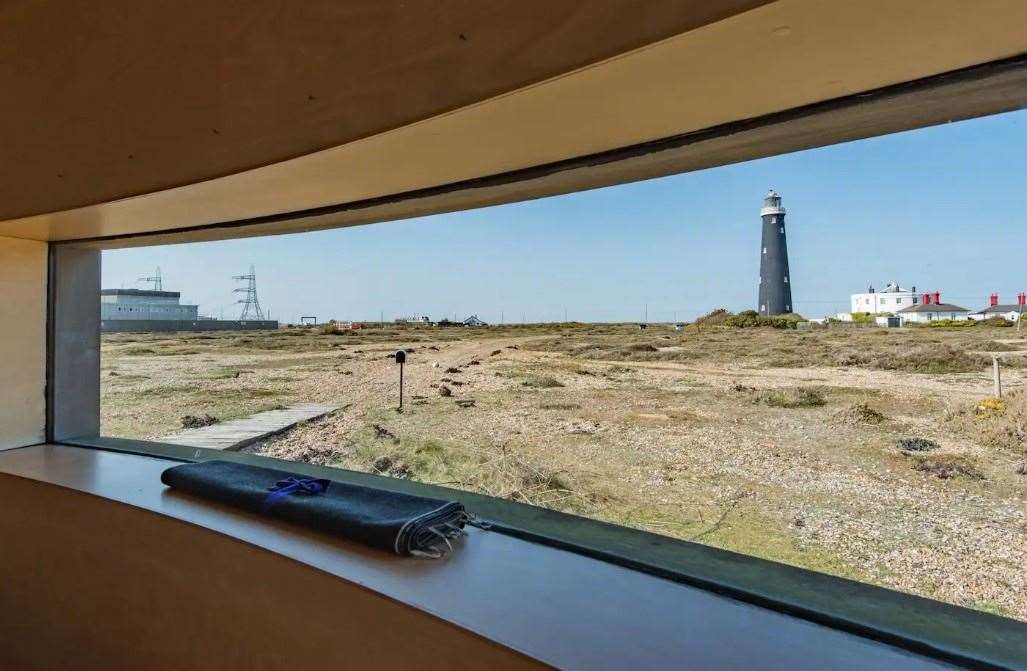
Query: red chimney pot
x=937 y=298
x=994 y=299
x=926 y=299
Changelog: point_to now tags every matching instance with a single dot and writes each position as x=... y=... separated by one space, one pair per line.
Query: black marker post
x=401 y=358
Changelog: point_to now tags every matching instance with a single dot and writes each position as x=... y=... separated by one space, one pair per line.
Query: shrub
x=861 y=413
x=945 y=359
x=785 y=321
x=991 y=346
x=750 y=319
x=793 y=397
x=714 y=317
x=947 y=466
x=994 y=422
x=917 y=444
x=744 y=319
x=997 y=322
x=637 y=347
x=950 y=323
x=559 y=406
x=990 y=407
x=196 y=422
x=853 y=359
x=138 y=351
x=543 y=383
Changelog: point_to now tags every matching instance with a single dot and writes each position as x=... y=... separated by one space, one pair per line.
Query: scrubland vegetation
x=868 y=453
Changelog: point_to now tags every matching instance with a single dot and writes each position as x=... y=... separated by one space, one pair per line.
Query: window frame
x=921 y=625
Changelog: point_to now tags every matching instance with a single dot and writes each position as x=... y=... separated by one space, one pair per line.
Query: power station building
x=143 y=304
x=775 y=295
x=144 y=310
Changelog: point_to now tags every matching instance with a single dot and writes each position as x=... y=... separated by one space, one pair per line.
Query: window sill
x=530 y=597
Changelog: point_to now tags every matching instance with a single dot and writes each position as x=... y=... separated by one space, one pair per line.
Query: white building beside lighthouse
x=891 y=298
x=931 y=308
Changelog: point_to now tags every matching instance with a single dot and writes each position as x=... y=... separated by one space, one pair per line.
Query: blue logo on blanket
x=302 y=486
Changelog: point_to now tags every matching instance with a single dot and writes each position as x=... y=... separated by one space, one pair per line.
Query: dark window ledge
x=932 y=628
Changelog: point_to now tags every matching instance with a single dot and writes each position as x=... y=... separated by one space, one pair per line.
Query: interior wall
x=96 y=584
x=23 y=270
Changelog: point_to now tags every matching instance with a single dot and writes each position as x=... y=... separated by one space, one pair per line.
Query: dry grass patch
x=507 y=474
x=791 y=397
x=559 y=406
x=916 y=444
x=945 y=359
x=859 y=414
x=543 y=382
x=1000 y=423
x=138 y=351
x=993 y=346
x=661 y=417
x=198 y=421
x=946 y=466
x=937 y=351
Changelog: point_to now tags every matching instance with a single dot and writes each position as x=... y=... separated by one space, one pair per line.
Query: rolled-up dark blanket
x=400 y=523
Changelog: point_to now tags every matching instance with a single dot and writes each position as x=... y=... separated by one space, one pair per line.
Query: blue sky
x=940 y=208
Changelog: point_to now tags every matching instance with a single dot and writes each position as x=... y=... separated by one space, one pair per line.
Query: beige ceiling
x=105 y=100
x=775 y=57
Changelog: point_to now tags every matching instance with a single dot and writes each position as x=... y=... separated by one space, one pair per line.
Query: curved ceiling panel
x=765 y=62
x=118 y=98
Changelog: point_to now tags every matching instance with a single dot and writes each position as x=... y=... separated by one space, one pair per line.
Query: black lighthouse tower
x=775 y=286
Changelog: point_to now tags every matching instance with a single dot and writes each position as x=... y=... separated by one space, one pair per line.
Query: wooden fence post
x=998 y=376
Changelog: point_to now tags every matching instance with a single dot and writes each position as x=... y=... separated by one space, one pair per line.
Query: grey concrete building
x=144 y=311
x=143 y=304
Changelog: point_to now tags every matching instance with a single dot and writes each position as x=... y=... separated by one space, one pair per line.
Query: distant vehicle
x=679 y=326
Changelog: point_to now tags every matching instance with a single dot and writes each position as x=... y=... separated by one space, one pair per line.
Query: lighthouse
x=775 y=296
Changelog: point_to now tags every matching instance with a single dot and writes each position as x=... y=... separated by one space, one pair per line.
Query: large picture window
x=544 y=364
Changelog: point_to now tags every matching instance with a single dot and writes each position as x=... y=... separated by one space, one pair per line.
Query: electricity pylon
x=155 y=280
x=251 y=306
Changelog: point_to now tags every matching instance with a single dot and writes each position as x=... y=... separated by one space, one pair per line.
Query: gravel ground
x=682 y=448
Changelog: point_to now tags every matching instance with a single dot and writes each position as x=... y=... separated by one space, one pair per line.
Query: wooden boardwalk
x=238 y=433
